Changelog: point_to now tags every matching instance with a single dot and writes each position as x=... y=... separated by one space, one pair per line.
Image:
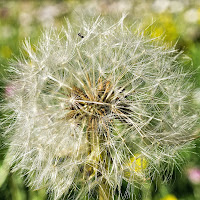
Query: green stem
x=104 y=191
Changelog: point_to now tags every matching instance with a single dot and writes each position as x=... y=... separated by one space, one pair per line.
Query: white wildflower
x=94 y=107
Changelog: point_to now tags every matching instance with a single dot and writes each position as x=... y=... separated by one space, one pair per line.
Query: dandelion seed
x=89 y=114
x=79 y=34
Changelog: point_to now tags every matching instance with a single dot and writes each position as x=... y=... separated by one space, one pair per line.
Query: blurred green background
x=177 y=20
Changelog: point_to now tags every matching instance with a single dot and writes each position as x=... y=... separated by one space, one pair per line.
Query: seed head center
x=91 y=102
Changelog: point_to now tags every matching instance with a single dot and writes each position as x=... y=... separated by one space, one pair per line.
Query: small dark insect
x=79 y=34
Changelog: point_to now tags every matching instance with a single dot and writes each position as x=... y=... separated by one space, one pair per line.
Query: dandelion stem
x=104 y=193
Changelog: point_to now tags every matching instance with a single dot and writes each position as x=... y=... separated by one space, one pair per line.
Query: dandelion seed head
x=91 y=112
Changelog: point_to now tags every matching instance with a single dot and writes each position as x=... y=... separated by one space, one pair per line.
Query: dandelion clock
x=94 y=107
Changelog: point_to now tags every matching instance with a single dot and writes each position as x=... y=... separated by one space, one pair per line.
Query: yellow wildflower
x=169 y=197
x=135 y=165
